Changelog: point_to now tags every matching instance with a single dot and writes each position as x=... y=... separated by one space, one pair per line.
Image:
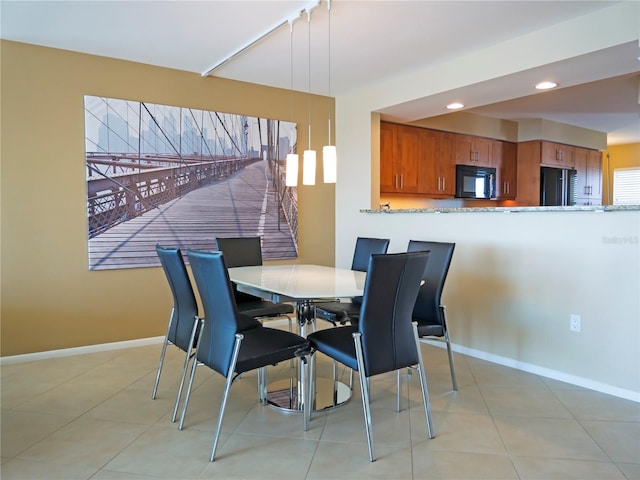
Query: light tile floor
x=91 y=417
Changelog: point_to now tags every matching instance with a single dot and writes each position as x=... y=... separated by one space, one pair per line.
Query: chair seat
x=268 y=346
x=430 y=330
x=247 y=322
x=338 y=312
x=262 y=308
x=337 y=343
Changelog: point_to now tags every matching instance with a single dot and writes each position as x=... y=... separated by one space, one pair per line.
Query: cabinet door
x=528 y=155
x=464 y=154
x=594 y=176
x=588 y=164
x=387 y=166
x=581 y=156
x=436 y=164
x=482 y=148
x=472 y=151
x=407 y=153
x=557 y=155
x=504 y=160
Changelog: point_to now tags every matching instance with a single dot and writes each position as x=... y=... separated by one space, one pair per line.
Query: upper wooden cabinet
x=416 y=160
x=503 y=159
x=399 y=157
x=588 y=164
x=437 y=169
x=470 y=150
x=557 y=155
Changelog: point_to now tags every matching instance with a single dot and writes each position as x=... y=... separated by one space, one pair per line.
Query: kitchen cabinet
x=503 y=159
x=528 y=179
x=588 y=164
x=470 y=150
x=557 y=155
x=399 y=157
x=535 y=153
x=437 y=169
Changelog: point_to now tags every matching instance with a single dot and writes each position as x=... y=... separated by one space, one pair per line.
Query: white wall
x=515 y=278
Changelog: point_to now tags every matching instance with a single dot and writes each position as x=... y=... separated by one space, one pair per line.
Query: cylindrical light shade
x=291 y=179
x=329 y=163
x=309 y=167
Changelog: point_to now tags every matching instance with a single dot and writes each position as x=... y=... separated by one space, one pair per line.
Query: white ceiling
x=370 y=40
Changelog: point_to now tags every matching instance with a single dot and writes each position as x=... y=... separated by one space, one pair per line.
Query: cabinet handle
x=401 y=182
x=438 y=183
x=444 y=179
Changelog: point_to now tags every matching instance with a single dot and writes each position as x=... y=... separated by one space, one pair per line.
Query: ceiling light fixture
x=455 y=106
x=291 y=168
x=309 y=156
x=329 y=154
x=546 y=85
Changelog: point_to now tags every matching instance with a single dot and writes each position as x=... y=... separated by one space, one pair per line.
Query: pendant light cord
x=291 y=66
x=329 y=69
x=309 y=96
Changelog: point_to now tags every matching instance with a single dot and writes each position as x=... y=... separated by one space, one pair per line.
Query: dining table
x=302 y=285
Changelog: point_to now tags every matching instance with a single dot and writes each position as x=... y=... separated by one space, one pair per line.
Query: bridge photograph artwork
x=182 y=177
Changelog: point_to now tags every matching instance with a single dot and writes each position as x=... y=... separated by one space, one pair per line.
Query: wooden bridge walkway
x=244 y=204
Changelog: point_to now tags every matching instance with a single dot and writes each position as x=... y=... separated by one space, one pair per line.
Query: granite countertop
x=590 y=208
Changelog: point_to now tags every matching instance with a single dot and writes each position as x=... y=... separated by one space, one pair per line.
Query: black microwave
x=475 y=182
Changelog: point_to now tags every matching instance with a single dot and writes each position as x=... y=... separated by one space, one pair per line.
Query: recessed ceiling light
x=546 y=85
x=455 y=106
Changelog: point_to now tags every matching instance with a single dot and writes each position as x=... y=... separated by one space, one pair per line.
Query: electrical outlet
x=575 y=322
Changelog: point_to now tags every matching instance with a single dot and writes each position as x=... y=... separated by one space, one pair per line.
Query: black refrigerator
x=557 y=186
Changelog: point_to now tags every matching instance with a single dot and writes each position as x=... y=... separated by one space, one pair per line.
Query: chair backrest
x=390 y=291
x=365 y=247
x=427 y=309
x=185 y=307
x=240 y=251
x=221 y=313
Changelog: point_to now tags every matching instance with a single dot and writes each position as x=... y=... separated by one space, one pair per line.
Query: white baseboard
x=67 y=352
x=542 y=371
x=507 y=362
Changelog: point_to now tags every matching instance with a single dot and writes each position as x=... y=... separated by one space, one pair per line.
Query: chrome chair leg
x=364 y=390
x=449 y=352
x=189 y=356
x=398 y=390
x=194 y=365
x=262 y=385
x=232 y=367
x=423 y=383
x=304 y=394
x=162 y=354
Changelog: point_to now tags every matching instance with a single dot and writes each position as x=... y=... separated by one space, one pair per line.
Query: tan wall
x=617 y=156
x=50 y=300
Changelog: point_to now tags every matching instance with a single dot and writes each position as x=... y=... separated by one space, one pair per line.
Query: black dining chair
x=342 y=311
x=184 y=322
x=429 y=312
x=385 y=339
x=223 y=347
x=247 y=252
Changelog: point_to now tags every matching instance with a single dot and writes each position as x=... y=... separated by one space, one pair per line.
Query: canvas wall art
x=177 y=176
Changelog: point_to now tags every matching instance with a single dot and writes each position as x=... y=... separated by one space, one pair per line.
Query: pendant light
x=291 y=174
x=309 y=156
x=329 y=155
